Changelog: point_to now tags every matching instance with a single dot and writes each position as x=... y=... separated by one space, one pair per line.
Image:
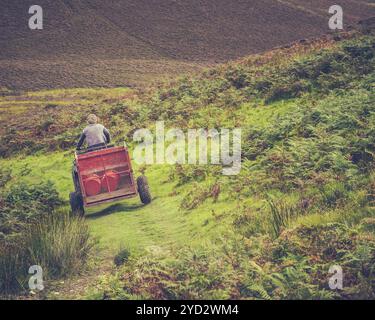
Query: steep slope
x=126 y=42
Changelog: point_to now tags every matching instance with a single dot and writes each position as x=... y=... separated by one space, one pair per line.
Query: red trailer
x=104 y=176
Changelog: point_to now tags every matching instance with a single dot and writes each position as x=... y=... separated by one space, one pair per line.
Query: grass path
x=159 y=225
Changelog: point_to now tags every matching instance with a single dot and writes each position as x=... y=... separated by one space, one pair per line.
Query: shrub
x=195 y=196
x=34 y=232
x=294 y=266
x=282 y=214
x=237 y=78
x=187 y=173
x=23 y=204
x=5 y=176
x=121 y=257
x=13 y=268
x=59 y=243
x=199 y=193
x=368 y=224
x=191 y=274
x=249 y=222
x=324 y=246
x=287 y=91
x=333 y=194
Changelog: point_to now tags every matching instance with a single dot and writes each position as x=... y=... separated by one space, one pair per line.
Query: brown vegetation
x=133 y=42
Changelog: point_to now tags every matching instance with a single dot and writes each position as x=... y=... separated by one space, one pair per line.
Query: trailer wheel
x=76 y=203
x=144 y=190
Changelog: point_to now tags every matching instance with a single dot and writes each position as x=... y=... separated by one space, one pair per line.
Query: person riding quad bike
x=95 y=134
x=103 y=176
x=96 y=137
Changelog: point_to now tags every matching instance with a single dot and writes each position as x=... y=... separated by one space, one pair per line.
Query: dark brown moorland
x=88 y=43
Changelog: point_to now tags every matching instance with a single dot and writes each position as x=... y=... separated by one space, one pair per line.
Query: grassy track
x=160 y=225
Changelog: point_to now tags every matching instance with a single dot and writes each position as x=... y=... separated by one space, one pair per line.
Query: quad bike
x=103 y=176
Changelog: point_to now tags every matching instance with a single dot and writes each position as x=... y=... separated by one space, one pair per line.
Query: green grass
x=22 y=102
x=162 y=224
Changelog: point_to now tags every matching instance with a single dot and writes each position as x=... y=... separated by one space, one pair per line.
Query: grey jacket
x=94 y=134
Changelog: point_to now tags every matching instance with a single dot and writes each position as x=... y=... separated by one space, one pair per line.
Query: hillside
x=304 y=199
x=134 y=42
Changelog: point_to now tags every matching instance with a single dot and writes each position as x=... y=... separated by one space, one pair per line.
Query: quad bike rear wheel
x=76 y=203
x=144 y=190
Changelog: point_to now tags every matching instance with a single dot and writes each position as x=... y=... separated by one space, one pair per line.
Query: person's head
x=92 y=119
